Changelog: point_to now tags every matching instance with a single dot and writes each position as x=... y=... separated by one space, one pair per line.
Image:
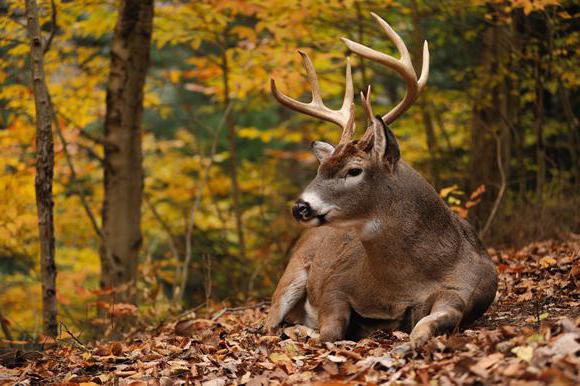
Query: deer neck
x=406 y=224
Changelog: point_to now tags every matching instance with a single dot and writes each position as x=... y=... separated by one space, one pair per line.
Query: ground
x=529 y=336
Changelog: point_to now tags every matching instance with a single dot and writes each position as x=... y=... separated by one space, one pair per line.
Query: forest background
x=496 y=133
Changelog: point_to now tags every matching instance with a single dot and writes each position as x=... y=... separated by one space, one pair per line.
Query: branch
x=92 y=153
x=502 y=188
x=75 y=181
x=52 y=28
x=74 y=338
x=165 y=226
x=82 y=132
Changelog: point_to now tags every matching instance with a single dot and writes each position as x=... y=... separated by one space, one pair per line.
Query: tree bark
x=44 y=172
x=123 y=174
x=232 y=137
x=5 y=326
x=572 y=121
x=423 y=101
x=361 y=40
x=539 y=130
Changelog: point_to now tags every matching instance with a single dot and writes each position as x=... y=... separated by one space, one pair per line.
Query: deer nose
x=302 y=211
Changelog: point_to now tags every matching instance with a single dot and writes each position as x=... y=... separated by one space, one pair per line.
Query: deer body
x=391 y=273
x=383 y=251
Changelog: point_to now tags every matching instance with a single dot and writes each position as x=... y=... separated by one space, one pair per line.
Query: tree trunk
x=361 y=40
x=44 y=172
x=123 y=179
x=572 y=121
x=232 y=137
x=423 y=101
x=539 y=129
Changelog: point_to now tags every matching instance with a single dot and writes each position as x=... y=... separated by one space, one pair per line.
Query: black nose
x=302 y=210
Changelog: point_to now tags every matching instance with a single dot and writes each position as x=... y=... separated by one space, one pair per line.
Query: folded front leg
x=333 y=318
x=290 y=290
x=445 y=315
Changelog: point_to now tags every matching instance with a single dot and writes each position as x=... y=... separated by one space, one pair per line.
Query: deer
x=381 y=250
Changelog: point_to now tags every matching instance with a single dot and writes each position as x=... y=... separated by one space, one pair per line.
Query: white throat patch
x=370 y=229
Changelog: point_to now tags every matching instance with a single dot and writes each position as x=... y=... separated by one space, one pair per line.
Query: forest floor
x=529 y=336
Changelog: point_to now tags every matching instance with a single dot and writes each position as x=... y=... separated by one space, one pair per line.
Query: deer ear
x=385 y=145
x=322 y=150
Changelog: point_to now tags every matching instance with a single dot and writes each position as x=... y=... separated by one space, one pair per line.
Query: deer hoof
x=403 y=350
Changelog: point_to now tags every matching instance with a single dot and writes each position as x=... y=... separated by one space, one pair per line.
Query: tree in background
x=502 y=71
x=123 y=169
x=44 y=171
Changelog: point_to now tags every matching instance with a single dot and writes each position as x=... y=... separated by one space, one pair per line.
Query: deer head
x=356 y=177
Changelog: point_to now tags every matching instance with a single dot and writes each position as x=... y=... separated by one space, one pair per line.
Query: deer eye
x=354 y=172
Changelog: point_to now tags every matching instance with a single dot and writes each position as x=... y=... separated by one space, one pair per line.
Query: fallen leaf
x=547 y=261
x=277 y=357
x=524 y=353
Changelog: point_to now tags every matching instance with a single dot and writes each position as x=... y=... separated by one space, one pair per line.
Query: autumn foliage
x=496 y=133
x=530 y=335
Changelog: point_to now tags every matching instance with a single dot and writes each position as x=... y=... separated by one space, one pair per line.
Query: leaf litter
x=530 y=336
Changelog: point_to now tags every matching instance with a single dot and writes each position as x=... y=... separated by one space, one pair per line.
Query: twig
x=502 y=188
x=237 y=309
x=75 y=339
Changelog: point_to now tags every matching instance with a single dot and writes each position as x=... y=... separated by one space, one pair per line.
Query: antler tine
x=344 y=117
x=312 y=79
x=424 y=68
x=403 y=66
x=366 y=101
x=348 y=105
x=368 y=109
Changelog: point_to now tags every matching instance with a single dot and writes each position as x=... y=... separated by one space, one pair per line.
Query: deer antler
x=403 y=66
x=344 y=117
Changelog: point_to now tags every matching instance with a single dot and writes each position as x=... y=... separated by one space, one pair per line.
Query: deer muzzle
x=302 y=211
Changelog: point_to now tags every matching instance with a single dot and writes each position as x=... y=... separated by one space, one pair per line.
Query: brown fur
x=393 y=254
x=342 y=155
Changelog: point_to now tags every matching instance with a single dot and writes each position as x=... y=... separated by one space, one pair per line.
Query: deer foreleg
x=446 y=314
x=290 y=290
x=334 y=317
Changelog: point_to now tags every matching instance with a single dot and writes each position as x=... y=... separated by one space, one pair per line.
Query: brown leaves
x=524 y=337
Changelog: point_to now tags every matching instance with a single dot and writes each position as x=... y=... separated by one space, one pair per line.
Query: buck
x=383 y=250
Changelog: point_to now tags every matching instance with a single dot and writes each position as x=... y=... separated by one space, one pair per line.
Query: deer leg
x=333 y=317
x=445 y=315
x=290 y=290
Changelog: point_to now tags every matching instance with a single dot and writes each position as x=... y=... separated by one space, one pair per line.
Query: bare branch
x=75 y=181
x=502 y=188
x=52 y=27
x=166 y=228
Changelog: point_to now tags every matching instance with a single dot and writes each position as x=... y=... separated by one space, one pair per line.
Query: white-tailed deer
x=383 y=249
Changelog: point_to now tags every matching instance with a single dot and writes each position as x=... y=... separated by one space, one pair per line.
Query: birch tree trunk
x=123 y=177
x=44 y=172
